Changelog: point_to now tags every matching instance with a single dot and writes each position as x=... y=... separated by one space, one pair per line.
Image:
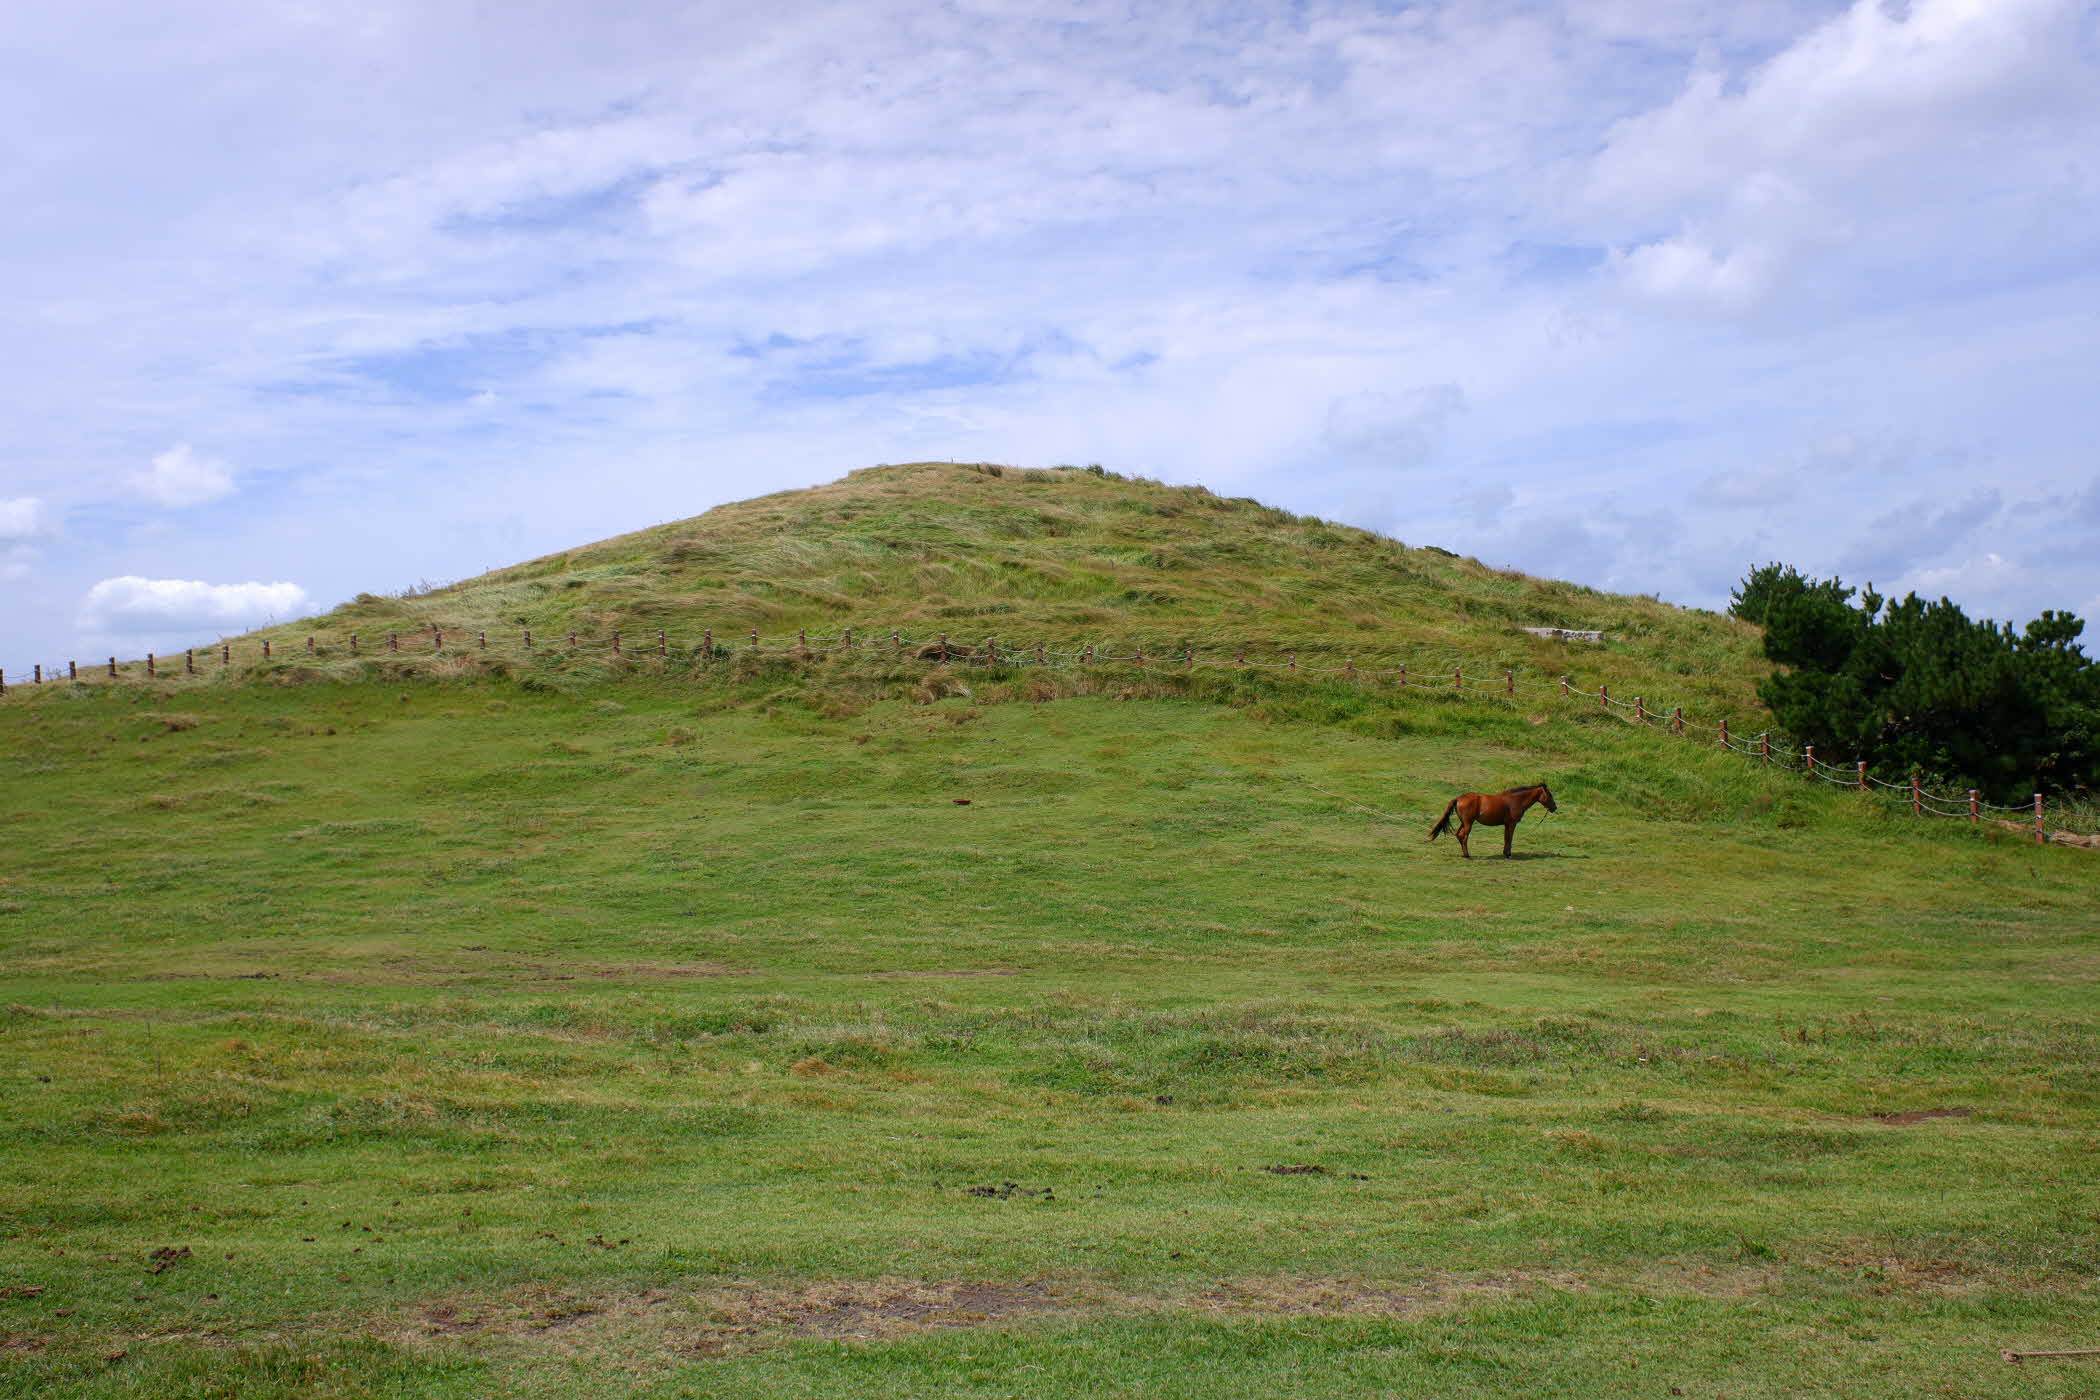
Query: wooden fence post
x=572 y=641
x=189 y=662
x=1509 y=681
x=707 y=644
x=895 y=640
x=1138 y=655
x=1239 y=656
x=1808 y=752
x=1603 y=696
x=663 y=645
x=353 y=644
x=1040 y=659
x=1403 y=674
x=1087 y=656
x=1563 y=687
x=1640 y=709
x=1724 y=735
x=113 y=668
x=1458 y=678
x=1972 y=805
x=393 y=643
x=801 y=641
x=616 y=642
x=1677 y=720
x=1862 y=767
x=1917 y=804
x=482 y=639
x=1349 y=665
x=2041 y=835
x=437 y=640
x=1764 y=744
x=1294 y=661
x=153 y=670
x=266 y=655
x=754 y=639
x=3 y=680
x=846 y=638
x=310 y=645
x=991 y=651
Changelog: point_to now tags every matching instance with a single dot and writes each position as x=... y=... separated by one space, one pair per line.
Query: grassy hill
x=1064 y=557
x=468 y=1025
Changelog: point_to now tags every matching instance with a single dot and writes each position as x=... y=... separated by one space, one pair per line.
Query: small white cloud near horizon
x=20 y=517
x=181 y=476
x=131 y=605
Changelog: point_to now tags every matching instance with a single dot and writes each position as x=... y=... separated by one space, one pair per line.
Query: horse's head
x=1546 y=797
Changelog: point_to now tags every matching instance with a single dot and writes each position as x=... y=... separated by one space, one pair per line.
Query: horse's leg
x=1509 y=834
x=1465 y=829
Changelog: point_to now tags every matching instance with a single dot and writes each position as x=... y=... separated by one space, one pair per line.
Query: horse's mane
x=1528 y=787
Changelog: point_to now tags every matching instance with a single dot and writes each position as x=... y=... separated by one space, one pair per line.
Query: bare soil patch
x=883 y=1307
x=1921 y=1115
x=1292 y=1295
x=738 y=1318
x=950 y=972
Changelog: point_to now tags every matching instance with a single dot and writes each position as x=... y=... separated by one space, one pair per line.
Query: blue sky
x=304 y=301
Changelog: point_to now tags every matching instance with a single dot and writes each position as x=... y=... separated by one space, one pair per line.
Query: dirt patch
x=730 y=1319
x=1921 y=1115
x=882 y=1308
x=530 y=1312
x=167 y=1257
x=1894 y=1273
x=733 y=1319
x=1307 y=1297
x=1007 y=1190
x=663 y=969
x=22 y=1342
x=952 y=972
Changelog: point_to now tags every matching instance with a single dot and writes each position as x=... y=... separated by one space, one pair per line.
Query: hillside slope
x=1064 y=557
x=446 y=1040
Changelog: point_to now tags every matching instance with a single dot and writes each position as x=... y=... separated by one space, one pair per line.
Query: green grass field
x=685 y=1037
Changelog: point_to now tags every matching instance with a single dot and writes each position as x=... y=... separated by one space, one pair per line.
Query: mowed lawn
x=467 y=1040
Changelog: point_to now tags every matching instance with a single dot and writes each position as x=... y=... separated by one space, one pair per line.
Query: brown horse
x=1503 y=809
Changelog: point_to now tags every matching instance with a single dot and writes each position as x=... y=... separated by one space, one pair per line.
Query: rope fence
x=1447 y=678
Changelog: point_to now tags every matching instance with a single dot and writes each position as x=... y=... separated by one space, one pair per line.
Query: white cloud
x=20 y=517
x=137 y=606
x=181 y=477
x=1400 y=430
x=1720 y=194
x=1687 y=271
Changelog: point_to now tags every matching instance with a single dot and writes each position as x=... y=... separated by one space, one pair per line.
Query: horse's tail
x=1444 y=822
